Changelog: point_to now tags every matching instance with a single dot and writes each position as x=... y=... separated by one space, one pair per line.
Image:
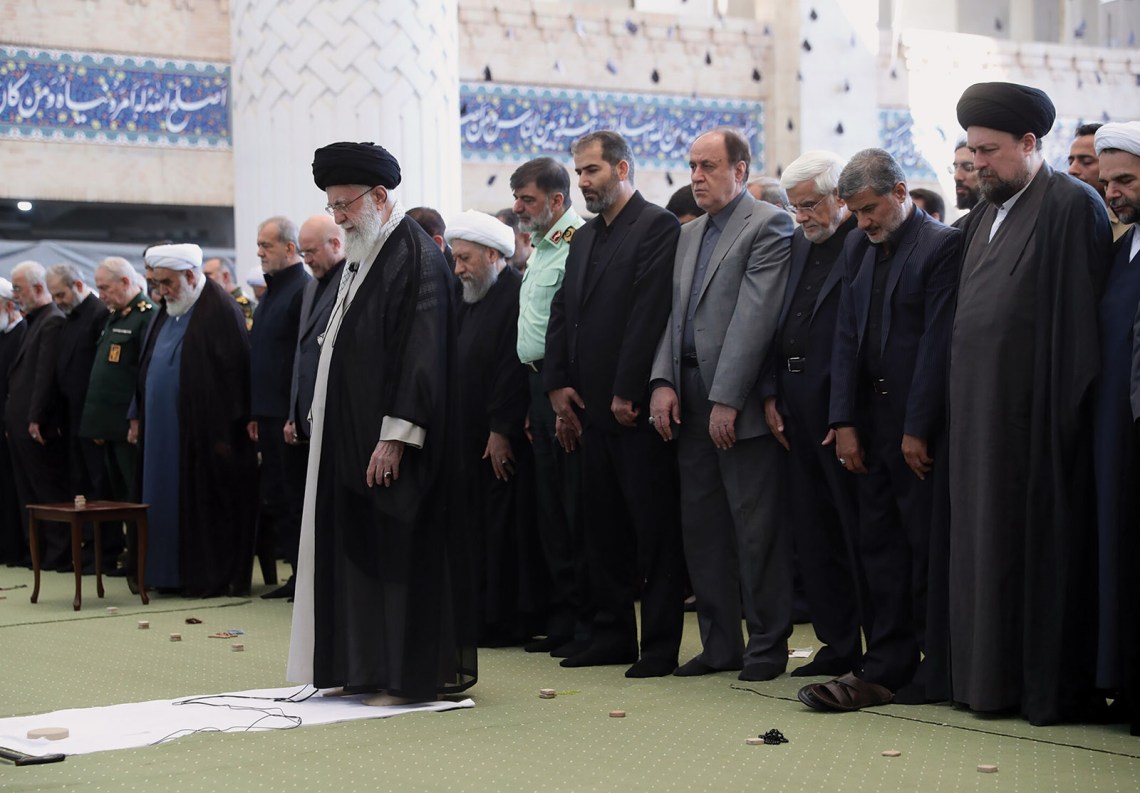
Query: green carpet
x=679 y=734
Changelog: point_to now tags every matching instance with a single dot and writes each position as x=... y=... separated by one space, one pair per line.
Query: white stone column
x=840 y=77
x=310 y=72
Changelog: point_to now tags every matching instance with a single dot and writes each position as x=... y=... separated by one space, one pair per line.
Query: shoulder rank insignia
x=142 y=305
x=242 y=300
x=568 y=234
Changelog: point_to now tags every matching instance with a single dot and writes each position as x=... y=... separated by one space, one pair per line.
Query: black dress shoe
x=651 y=667
x=284 y=591
x=572 y=647
x=826 y=667
x=759 y=673
x=546 y=645
x=600 y=655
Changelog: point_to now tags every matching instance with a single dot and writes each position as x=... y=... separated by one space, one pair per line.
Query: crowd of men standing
x=508 y=430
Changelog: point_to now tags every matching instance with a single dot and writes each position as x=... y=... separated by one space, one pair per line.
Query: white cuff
x=394 y=429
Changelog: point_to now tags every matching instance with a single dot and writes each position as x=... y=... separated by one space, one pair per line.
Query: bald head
x=321 y=244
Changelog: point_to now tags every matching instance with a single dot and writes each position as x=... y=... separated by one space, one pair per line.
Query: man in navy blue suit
x=888 y=384
x=797 y=393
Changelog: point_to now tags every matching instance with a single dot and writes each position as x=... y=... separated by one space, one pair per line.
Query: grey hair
x=871 y=169
x=771 y=191
x=286 y=230
x=33 y=272
x=118 y=267
x=66 y=273
x=822 y=166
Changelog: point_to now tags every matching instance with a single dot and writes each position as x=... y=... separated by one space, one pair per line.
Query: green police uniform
x=245 y=306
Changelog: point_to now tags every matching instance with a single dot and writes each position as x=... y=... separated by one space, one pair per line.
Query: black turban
x=1010 y=107
x=355 y=163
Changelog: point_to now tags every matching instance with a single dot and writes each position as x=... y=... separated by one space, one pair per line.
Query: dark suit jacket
x=32 y=393
x=273 y=341
x=314 y=319
x=604 y=328
x=737 y=307
x=918 y=312
x=77 y=341
x=815 y=379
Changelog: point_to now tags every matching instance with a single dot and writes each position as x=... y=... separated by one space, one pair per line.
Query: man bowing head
x=380 y=576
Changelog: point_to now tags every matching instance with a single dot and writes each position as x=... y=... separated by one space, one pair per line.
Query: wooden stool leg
x=98 y=528
x=34 y=543
x=141 y=530
x=77 y=559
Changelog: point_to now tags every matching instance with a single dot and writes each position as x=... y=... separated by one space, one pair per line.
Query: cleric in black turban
x=1009 y=107
x=355 y=163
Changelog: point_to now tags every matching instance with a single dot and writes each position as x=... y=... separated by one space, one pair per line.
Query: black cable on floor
x=962 y=727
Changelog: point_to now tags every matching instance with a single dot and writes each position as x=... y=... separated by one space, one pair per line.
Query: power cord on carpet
x=962 y=727
x=293 y=722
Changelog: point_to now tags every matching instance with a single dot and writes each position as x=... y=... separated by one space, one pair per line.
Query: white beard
x=188 y=297
x=475 y=289
x=362 y=238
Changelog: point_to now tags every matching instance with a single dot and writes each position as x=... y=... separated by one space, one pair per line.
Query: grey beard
x=359 y=242
x=541 y=222
x=475 y=290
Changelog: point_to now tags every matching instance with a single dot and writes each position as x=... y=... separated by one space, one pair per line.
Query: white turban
x=184 y=256
x=481 y=228
x=256 y=278
x=5 y=289
x=1118 y=135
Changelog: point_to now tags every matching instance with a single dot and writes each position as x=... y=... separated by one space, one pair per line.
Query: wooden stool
x=97 y=512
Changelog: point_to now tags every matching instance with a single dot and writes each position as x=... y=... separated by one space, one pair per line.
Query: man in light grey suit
x=321 y=243
x=728 y=284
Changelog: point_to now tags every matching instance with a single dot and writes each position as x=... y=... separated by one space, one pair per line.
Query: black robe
x=1024 y=355
x=217 y=460
x=494 y=393
x=13 y=547
x=1117 y=466
x=391 y=586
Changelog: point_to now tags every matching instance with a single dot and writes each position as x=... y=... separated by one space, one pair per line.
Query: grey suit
x=735 y=546
x=315 y=315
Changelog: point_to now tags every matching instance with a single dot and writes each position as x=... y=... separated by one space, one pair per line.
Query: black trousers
x=41 y=478
x=822 y=514
x=558 y=485
x=633 y=536
x=893 y=546
x=282 y=486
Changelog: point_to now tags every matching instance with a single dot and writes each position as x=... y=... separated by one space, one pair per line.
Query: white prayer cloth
x=136 y=724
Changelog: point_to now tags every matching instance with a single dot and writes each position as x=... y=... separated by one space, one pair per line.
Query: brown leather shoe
x=844 y=693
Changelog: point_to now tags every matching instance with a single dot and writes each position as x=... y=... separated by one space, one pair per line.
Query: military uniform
x=245 y=305
x=114 y=376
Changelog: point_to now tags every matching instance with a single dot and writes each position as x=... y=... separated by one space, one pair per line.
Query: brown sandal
x=845 y=693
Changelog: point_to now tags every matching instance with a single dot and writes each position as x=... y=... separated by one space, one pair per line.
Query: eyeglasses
x=953 y=168
x=806 y=209
x=342 y=206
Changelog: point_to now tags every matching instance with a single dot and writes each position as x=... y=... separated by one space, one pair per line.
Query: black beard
x=1000 y=191
x=968 y=201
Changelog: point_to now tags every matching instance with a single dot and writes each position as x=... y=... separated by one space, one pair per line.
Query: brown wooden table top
x=68 y=507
